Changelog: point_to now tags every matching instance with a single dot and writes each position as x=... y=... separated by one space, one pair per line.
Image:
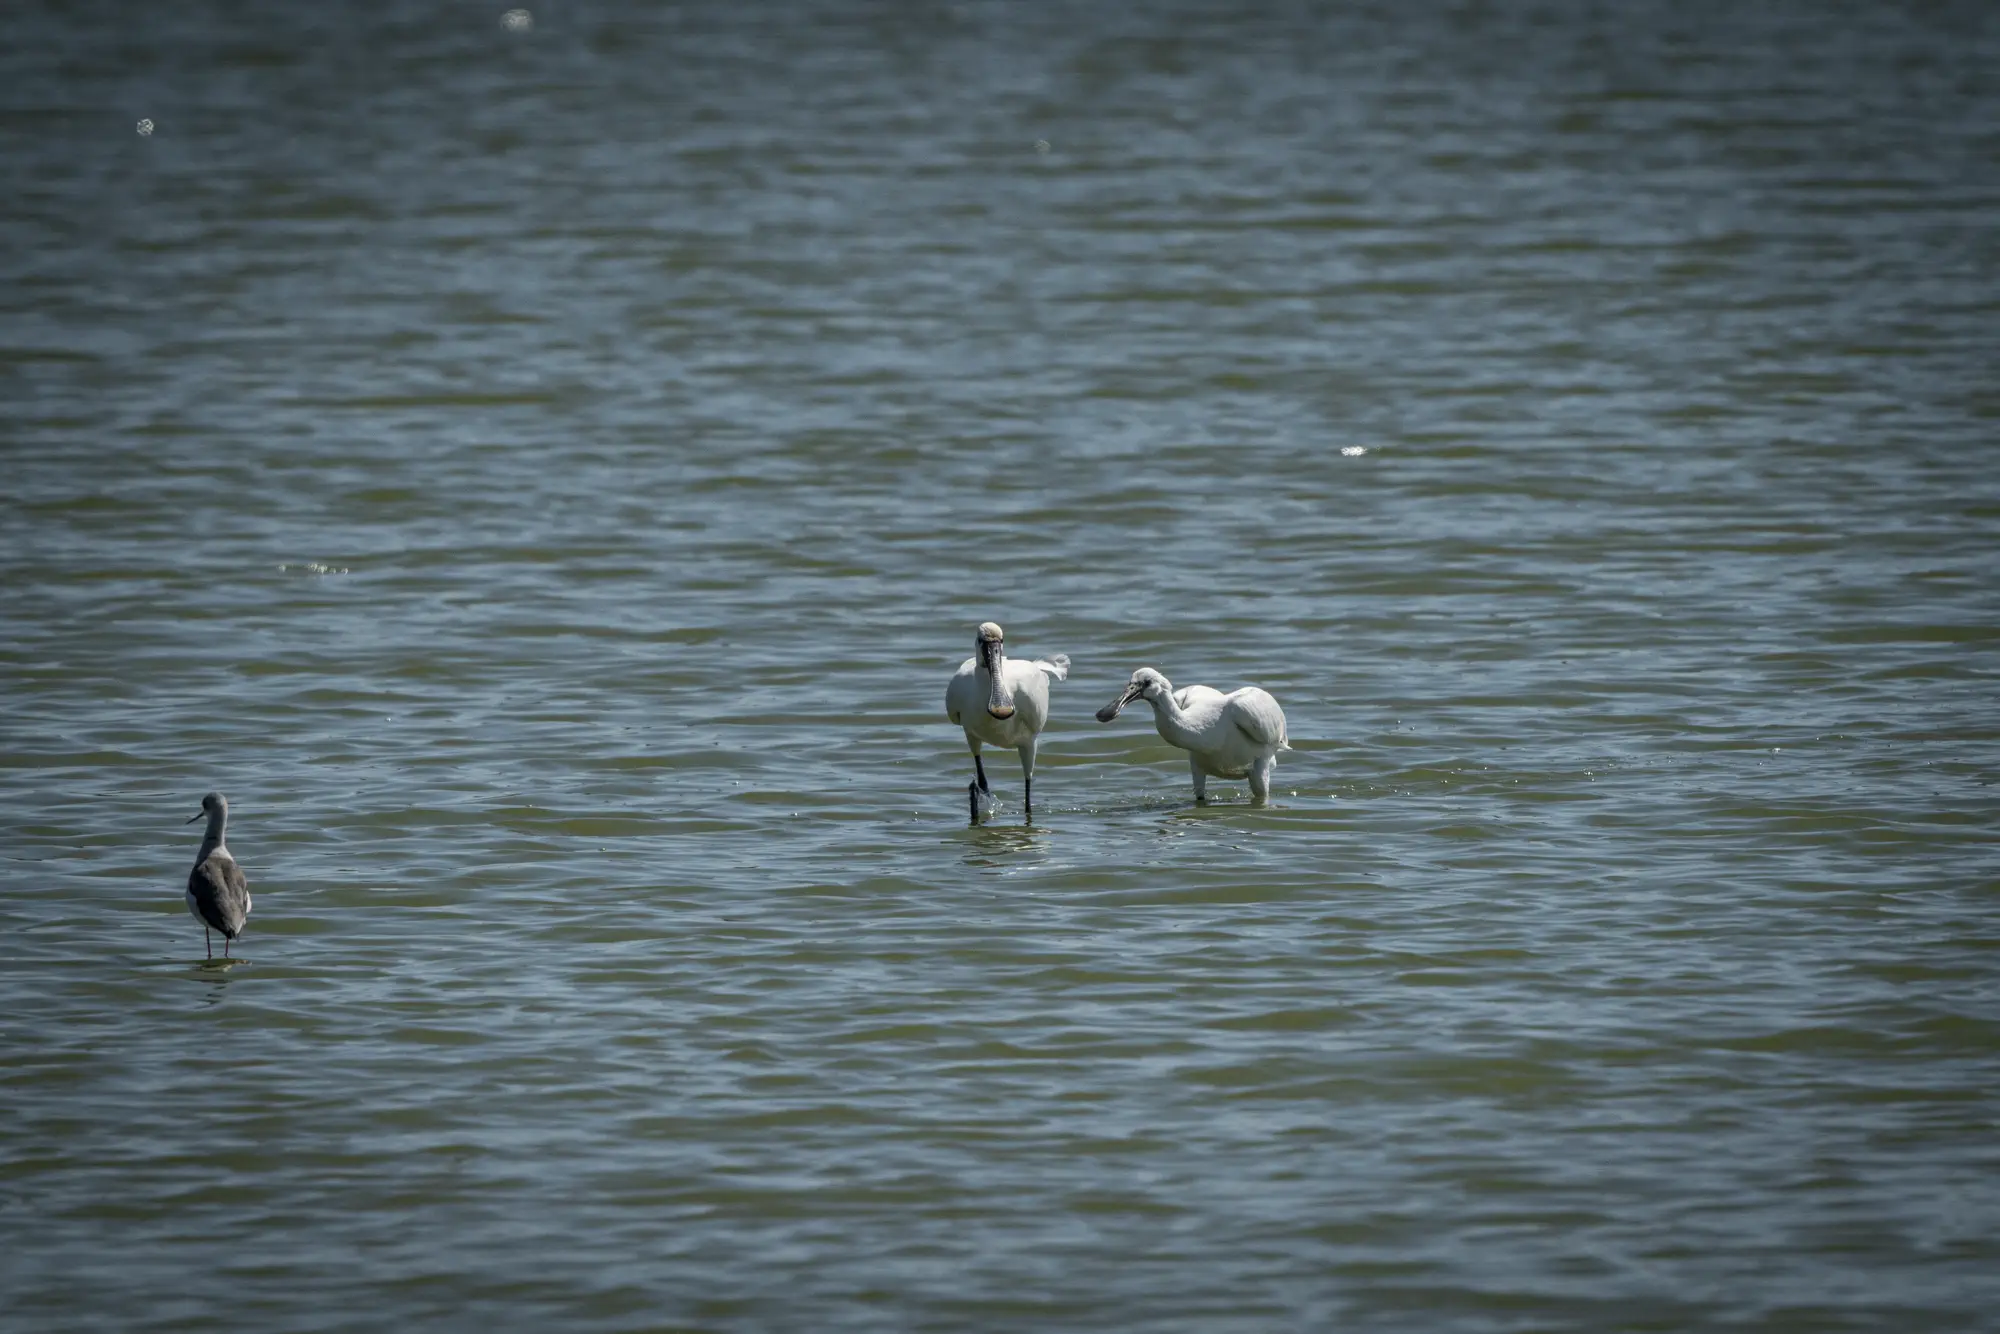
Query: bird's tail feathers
x=1056 y=665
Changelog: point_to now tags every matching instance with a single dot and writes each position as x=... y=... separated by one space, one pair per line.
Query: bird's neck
x=1172 y=720
x=211 y=840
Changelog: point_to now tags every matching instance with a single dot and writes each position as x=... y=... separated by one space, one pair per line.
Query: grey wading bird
x=1001 y=701
x=217 y=893
x=1227 y=736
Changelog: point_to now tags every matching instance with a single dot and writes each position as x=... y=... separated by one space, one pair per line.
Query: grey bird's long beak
x=999 y=701
x=196 y=816
x=1117 y=706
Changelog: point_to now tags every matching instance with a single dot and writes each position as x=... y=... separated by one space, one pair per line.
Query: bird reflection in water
x=994 y=845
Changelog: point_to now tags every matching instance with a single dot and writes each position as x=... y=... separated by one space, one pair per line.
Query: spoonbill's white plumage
x=217 y=893
x=1002 y=701
x=1229 y=736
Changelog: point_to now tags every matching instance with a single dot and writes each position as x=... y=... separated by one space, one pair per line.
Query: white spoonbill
x=1002 y=701
x=217 y=893
x=1229 y=736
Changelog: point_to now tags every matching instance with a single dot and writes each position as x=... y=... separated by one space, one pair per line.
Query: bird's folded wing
x=1259 y=719
x=209 y=888
x=221 y=893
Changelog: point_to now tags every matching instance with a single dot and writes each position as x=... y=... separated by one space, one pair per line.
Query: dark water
x=545 y=478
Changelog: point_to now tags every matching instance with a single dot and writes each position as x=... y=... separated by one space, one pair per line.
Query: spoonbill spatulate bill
x=1002 y=701
x=1236 y=735
x=217 y=893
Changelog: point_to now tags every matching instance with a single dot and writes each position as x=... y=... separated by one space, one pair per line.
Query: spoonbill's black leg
x=1028 y=796
x=206 y=943
x=972 y=797
x=980 y=767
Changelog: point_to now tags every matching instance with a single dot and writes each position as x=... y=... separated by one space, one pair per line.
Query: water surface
x=546 y=479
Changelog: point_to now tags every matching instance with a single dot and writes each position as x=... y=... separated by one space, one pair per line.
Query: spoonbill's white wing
x=1056 y=665
x=1206 y=699
x=962 y=696
x=1258 y=717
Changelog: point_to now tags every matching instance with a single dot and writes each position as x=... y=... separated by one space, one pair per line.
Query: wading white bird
x=1229 y=736
x=1002 y=701
x=217 y=893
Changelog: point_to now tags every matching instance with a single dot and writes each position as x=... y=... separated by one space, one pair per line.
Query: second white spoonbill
x=1228 y=736
x=1002 y=701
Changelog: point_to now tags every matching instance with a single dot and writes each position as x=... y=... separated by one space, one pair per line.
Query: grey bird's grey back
x=217 y=891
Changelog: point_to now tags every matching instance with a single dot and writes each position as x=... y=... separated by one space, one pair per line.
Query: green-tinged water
x=546 y=478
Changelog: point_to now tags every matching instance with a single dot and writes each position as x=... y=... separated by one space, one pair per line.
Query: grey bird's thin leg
x=206 y=943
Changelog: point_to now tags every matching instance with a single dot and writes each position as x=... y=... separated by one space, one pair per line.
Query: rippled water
x=545 y=478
